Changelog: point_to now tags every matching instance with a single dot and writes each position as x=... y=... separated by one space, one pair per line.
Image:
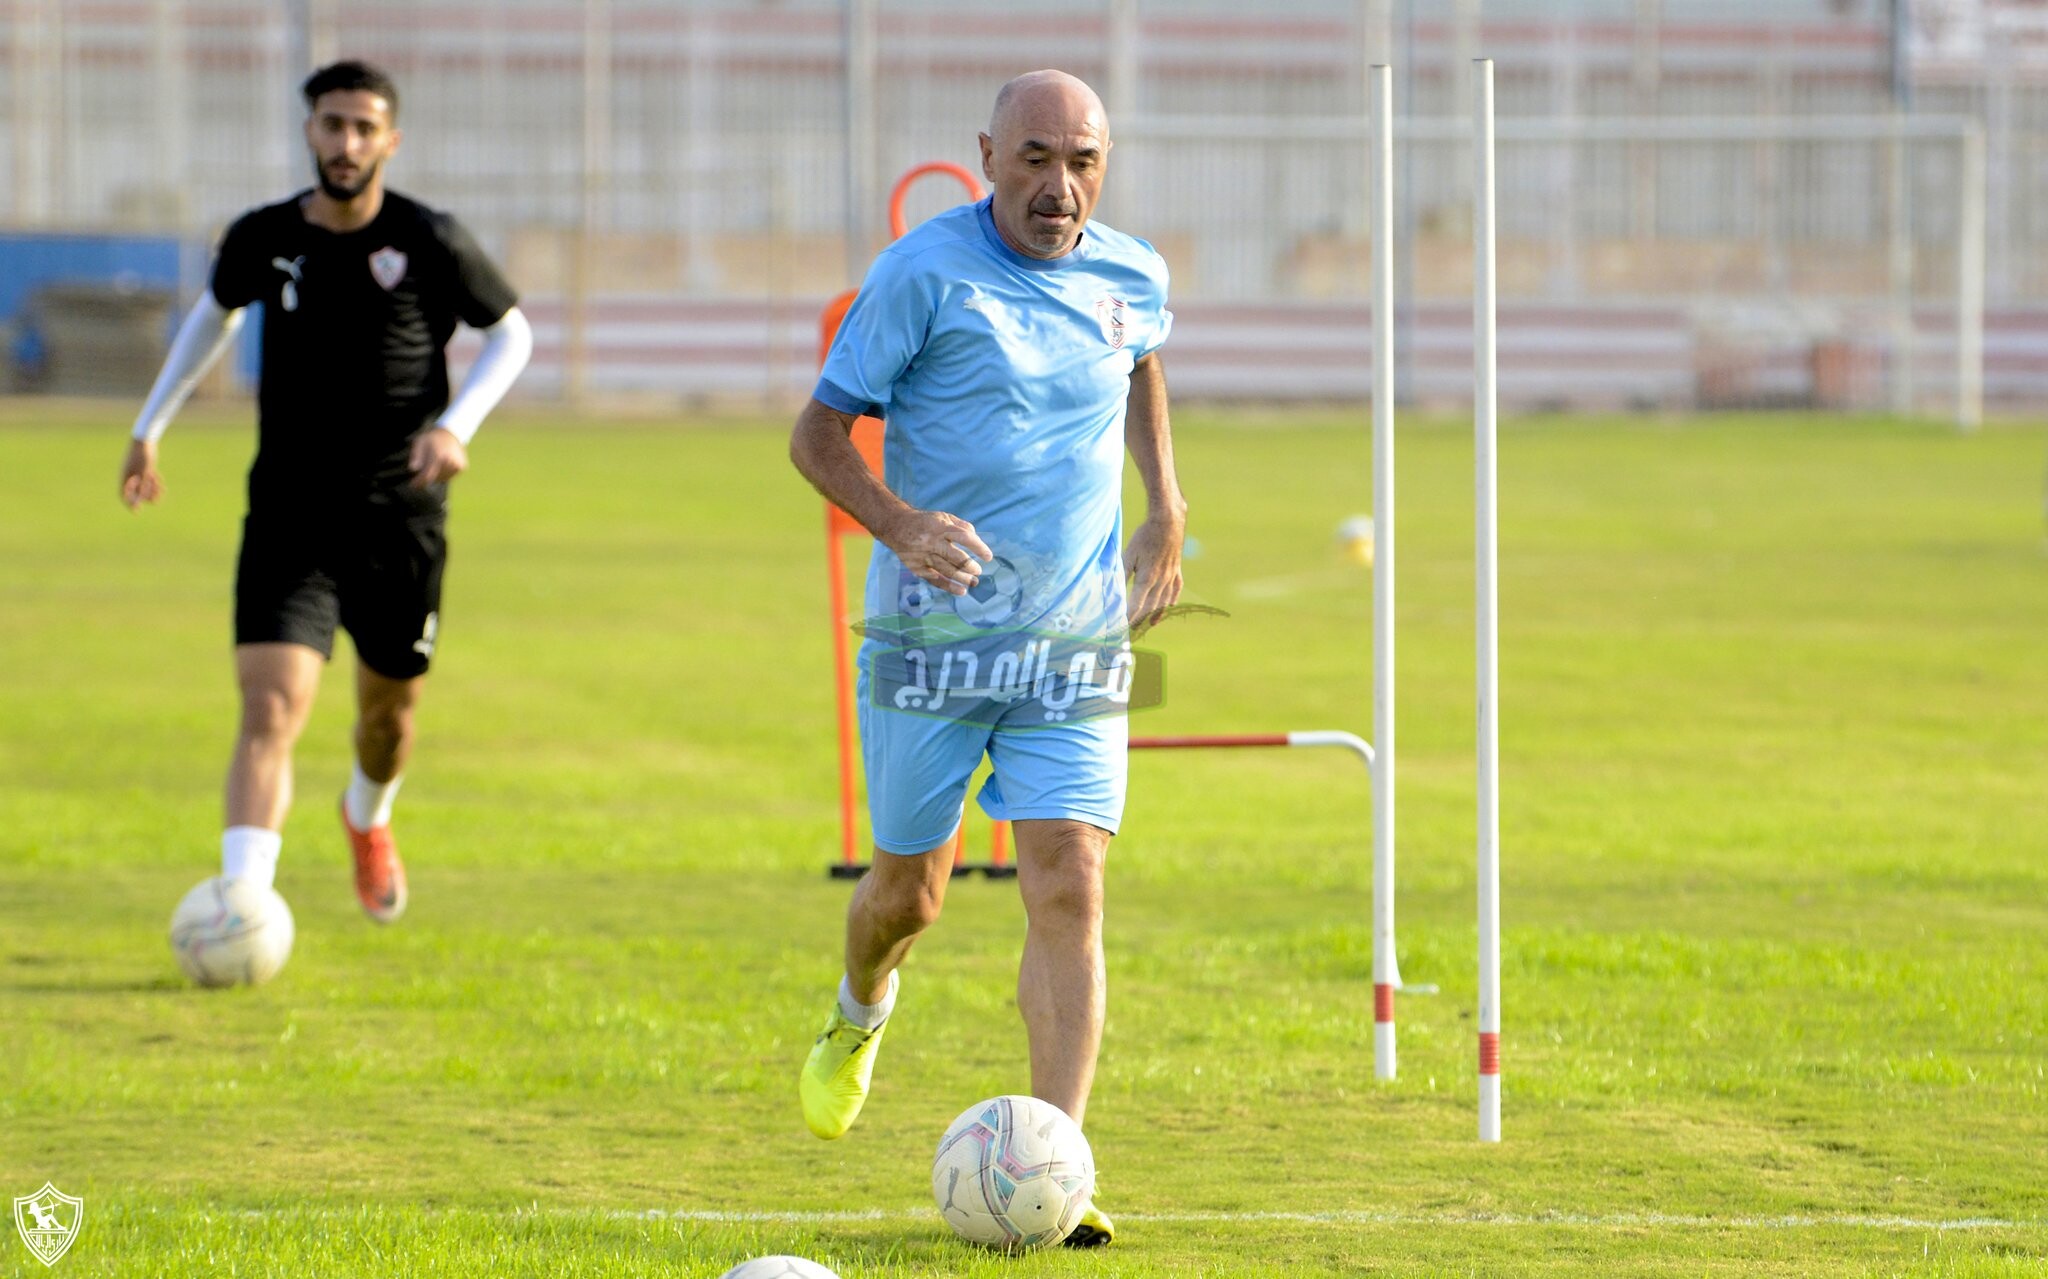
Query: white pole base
x=1383 y=1063
x=1489 y=1107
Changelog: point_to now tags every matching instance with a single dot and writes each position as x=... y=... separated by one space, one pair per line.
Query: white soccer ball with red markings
x=231 y=932
x=778 y=1268
x=1013 y=1173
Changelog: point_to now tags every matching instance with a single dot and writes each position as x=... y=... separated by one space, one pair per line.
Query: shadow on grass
x=165 y=982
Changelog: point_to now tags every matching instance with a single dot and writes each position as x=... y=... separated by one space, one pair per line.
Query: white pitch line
x=1343 y=1217
x=1335 y=1217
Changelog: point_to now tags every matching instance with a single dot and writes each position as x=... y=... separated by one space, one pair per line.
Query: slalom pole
x=1486 y=506
x=1386 y=973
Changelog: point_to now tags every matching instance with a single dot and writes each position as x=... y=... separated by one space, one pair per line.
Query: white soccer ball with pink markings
x=231 y=932
x=783 y=1267
x=1013 y=1173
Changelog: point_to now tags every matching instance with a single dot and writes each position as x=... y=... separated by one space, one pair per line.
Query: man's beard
x=1061 y=238
x=335 y=190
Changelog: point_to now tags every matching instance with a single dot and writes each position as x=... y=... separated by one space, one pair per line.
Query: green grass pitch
x=1775 y=876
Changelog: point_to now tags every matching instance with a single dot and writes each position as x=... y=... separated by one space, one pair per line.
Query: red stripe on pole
x=1489 y=1052
x=1383 y=1002
x=1192 y=743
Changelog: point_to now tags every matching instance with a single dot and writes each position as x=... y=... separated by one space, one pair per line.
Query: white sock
x=866 y=1016
x=369 y=803
x=250 y=852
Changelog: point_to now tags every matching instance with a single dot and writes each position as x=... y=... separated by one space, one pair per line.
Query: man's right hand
x=139 y=480
x=939 y=548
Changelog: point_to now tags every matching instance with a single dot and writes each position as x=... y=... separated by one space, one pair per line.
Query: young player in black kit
x=356 y=443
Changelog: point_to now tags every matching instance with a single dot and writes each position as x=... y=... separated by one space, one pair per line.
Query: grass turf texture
x=1775 y=722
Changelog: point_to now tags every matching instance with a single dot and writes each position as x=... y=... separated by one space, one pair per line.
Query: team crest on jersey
x=387 y=267
x=1109 y=313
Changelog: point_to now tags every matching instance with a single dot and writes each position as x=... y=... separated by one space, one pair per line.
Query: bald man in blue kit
x=1010 y=345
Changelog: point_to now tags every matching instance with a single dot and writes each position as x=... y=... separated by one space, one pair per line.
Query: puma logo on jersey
x=424 y=645
x=289 y=295
x=992 y=309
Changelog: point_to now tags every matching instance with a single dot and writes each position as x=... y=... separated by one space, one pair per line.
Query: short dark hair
x=347 y=77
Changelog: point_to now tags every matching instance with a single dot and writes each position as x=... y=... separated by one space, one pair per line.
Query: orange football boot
x=380 y=876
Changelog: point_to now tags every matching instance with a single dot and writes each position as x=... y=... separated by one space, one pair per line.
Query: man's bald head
x=1037 y=91
x=1045 y=152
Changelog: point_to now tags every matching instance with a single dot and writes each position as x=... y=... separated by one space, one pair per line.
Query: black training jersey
x=355 y=333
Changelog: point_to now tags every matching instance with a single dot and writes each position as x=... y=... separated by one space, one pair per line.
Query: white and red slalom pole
x=1488 y=593
x=1386 y=974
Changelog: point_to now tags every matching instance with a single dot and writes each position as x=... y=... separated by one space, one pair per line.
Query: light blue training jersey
x=1002 y=380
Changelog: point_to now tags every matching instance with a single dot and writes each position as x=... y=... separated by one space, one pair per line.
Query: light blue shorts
x=918 y=767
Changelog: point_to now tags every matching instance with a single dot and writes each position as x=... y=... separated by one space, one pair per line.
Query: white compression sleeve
x=508 y=344
x=206 y=332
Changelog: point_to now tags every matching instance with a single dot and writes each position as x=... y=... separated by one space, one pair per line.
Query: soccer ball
x=1354 y=539
x=993 y=599
x=778 y=1268
x=914 y=598
x=231 y=931
x=1013 y=1173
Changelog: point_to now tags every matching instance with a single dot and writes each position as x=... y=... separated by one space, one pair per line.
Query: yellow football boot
x=836 y=1074
x=1095 y=1230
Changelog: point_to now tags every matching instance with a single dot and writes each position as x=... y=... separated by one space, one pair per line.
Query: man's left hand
x=1152 y=562
x=437 y=457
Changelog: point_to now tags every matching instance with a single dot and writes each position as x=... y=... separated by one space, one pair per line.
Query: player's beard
x=365 y=175
x=1063 y=240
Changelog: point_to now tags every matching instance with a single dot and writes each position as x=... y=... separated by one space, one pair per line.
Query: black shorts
x=374 y=566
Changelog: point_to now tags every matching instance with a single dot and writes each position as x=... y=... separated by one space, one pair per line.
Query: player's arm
x=207 y=330
x=487 y=302
x=1152 y=556
x=938 y=547
x=442 y=453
